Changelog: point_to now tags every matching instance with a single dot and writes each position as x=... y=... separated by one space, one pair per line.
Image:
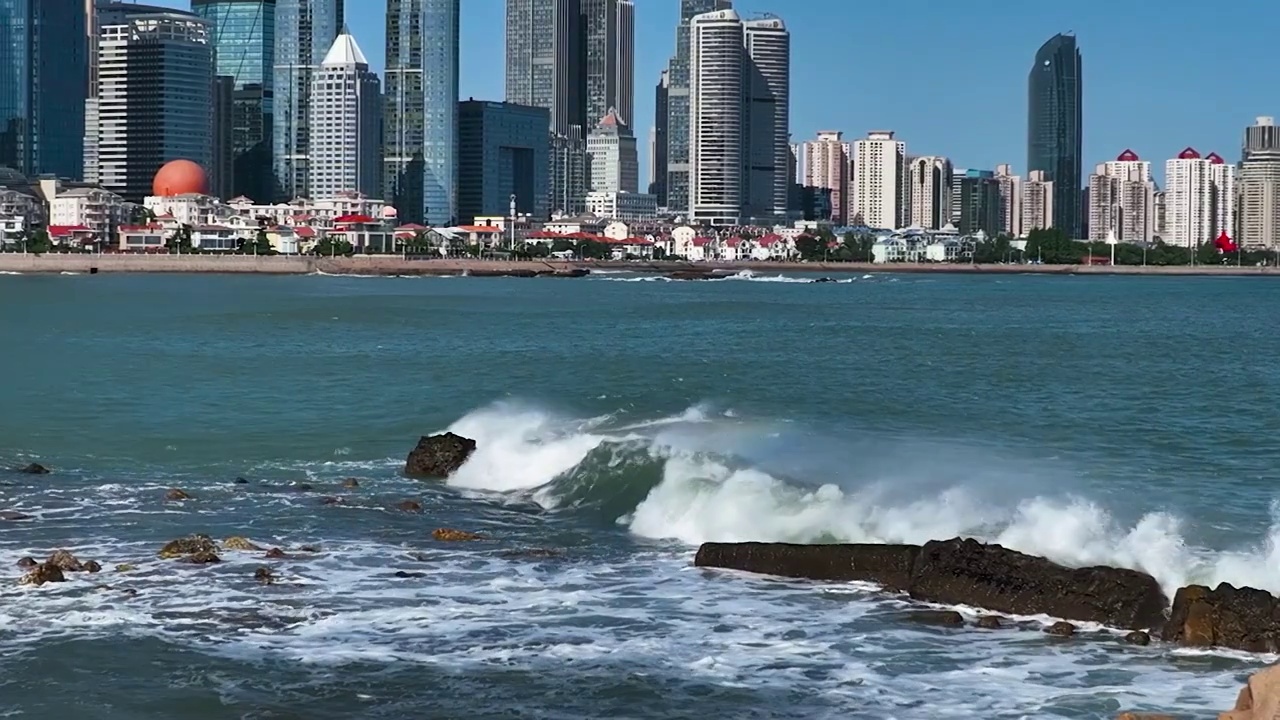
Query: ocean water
x=621 y=420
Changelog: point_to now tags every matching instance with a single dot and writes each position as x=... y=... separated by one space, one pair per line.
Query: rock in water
x=887 y=565
x=43 y=573
x=451 y=535
x=1137 y=637
x=238 y=543
x=967 y=572
x=35 y=469
x=176 y=494
x=27 y=563
x=1258 y=700
x=202 y=557
x=264 y=575
x=65 y=561
x=936 y=617
x=439 y=456
x=350 y=483
x=409 y=506
x=1061 y=629
x=92 y=566
x=188 y=545
x=275 y=554
x=988 y=622
x=1242 y=619
x=13 y=516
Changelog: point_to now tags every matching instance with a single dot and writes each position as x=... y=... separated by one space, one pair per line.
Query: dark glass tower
x=658 y=161
x=1054 y=126
x=43 y=85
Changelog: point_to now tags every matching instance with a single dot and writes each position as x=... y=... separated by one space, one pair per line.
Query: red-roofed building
x=1200 y=199
x=1128 y=156
x=1122 y=200
x=1214 y=158
x=71 y=235
x=1189 y=154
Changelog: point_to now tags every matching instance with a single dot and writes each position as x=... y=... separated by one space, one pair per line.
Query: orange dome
x=179 y=177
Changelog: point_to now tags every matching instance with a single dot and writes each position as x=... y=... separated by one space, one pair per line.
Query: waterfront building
x=1199 y=197
x=243 y=34
x=623 y=206
x=346 y=123
x=1122 y=200
x=420 y=143
x=716 y=118
x=1054 y=126
x=503 y=153
x=824 y=163
x=304 y=32
x=880 y=181
x=43 y=87
x=1010 y=186
x=610 y=53
x=659 y=141
x=975 y=202
x=1260 y=186
x=614 y=166
x=147 y=56
x=1038 y=199
x=100 y=211
x=930 y=192
x=766 y=109
x=678 y=105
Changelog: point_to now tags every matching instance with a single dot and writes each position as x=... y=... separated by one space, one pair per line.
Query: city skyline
x=986 y=126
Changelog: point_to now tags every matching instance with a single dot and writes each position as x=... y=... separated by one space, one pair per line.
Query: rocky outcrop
x=1138 y=637
x=350 y=483
x=41 y=574
x=692 y=275
x=188 y=545
x=34 y=469
x=174 y=494
x=1061 y=629
x=92 y=566
x=962 y=572
x=412 y=506
x=451 y=535
x=65 y=561
x=439 y=456
x=1259 y=699
x=1242 y=619
x=238 y=543
x=275 y=553
x=13 y=516
x=202 y=557
x=887 y=565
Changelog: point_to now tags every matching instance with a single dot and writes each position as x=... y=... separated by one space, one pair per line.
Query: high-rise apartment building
x=420 y=117
x=1260 y=186
x=1122 y=200
x=1199 y=197
x=611 y=149
x=658 y=144
x=975 y=202
x=346 y=123
x=304 y=32
x=766 y=128
x=930 y=192
x=716 y=118
x=43 y=86
x=1010 y=188
x=824 y=163
x=610 y=50
x=219 y=174
x=880 y=181
x=678 y=108
x=1054 y=126
x=145 y=57
x=1038 y=199
x=243 y=34
x=503 y=155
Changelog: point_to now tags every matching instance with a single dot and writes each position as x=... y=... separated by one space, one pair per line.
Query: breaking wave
x=706 y=475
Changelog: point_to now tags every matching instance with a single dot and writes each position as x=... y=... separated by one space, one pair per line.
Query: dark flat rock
x=887 y=565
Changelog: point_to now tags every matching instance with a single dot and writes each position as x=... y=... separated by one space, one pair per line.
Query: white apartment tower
x=766 y=109
x=825 y=164
x=1010 y=189
x=1037 y=202
x=1260 y=186
x=930 y=192
x=346 y=123
x=879 y=182
x=1122 y=200
x=1199 y=198
x=715 y=118
x=611 y=151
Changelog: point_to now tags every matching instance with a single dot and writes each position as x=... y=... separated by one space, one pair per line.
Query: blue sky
x=950 y=77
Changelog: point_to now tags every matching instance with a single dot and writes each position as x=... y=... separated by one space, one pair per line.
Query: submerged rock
x=240 y=481
x=176 y=494
x=13 y=516
x=1241 y=619
x=264 y=575
x=887 y=565
x=330 y=500
x=34 y=469
x=43 y=573
x=439 y=456
x=407 y=574
x=1138 y=637
x=238 y=543
x=27 y=563
x=534 y=554
x=65 y=561
x=275 y=553
x=451 y=535
x=92 y=566
x=188 y=545
x=1061 y=629
x=989 y=622
x=409 y=506
x=1259 y=699
x=936 y=617
x=125 y=567
x=692 y=275
x=350 y=483
x=202 y=557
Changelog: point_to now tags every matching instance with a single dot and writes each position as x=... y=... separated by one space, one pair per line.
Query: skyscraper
x=1054 y=126
x=1200 y=199
x=975 y=202
x=502 y=151
x=1122 y=200
x=612 y=150
x=1038 y=202
x=824 y=164
x=716 y=118
x=767 y=112
x=43 y=86
x=677 y=183
x=420 y=119
x=930 y=192
x=346 y=123
x=304 y=32
x=244 y=42
x=145 y=58
x=658 y=147
x=610 y=49
x=880 y=180
x=1260 y=185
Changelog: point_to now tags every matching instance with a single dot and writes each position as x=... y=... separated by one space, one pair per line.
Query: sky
x=950 y=78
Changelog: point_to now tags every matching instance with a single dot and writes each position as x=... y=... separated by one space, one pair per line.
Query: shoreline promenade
x=394 y=265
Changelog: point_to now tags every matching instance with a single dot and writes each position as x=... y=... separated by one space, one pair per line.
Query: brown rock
x=13 y=516
x=1138 y=637
x=65 y=561
x=1144 y=716
x=1061 y=629
x=92 y=566
x=188 y=545
x=176 y=494
x=27 y=563
x=887 y=565
x=202 y=557
x=534 y=554
x=43 y=573
x=276 y=553
x=264 y=575
x=988 y=622
x=35 y=469
x=451 y=535
x=1259 y=699
x=238 y=543
x=1242 y=619
x=125 y=567
x=438 y=456
x=409 y=506
x=936 y=617
x=350 y=483
x=303 y=487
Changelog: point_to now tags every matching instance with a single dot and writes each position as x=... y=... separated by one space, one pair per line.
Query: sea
x=621 y=420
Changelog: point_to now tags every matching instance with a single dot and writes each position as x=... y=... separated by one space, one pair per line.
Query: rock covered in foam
x=188 y=545
x=1259 y=699
x=1230 y=617
x=43 y=573
x=438 y=456
x=65 y=561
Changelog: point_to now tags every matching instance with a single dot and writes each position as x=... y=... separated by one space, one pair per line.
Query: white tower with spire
x=346 y=121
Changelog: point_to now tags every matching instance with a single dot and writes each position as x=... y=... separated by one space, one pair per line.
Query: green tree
x=262 y=243
x=39 y=242
x=592 y=249
x=180 y=240
x=559 y=246
x=810 y=247
x=329 y=247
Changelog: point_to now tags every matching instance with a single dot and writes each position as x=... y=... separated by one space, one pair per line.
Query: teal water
x=621 y=421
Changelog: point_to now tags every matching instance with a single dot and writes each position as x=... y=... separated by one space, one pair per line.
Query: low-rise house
x=142 y=238
x=72 y=236
x=102 y=211
x=366 y=234
x=218 y=238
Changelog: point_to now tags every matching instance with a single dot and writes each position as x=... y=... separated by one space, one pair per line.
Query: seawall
x=393 y=265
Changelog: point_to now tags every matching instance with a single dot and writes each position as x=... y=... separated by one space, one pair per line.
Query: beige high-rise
x=1260 y=186
x=1037 y=202
x=1010 y=189
x=1122 y=200
x=930 y=192
x=825 y=164
x=880 y=180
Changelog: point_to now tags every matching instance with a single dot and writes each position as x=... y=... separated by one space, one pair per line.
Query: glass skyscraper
x=677 y=186
x=304 y=32
x=420 y=118
x=1054 y=122
x=43 y=85
x=244 y=41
